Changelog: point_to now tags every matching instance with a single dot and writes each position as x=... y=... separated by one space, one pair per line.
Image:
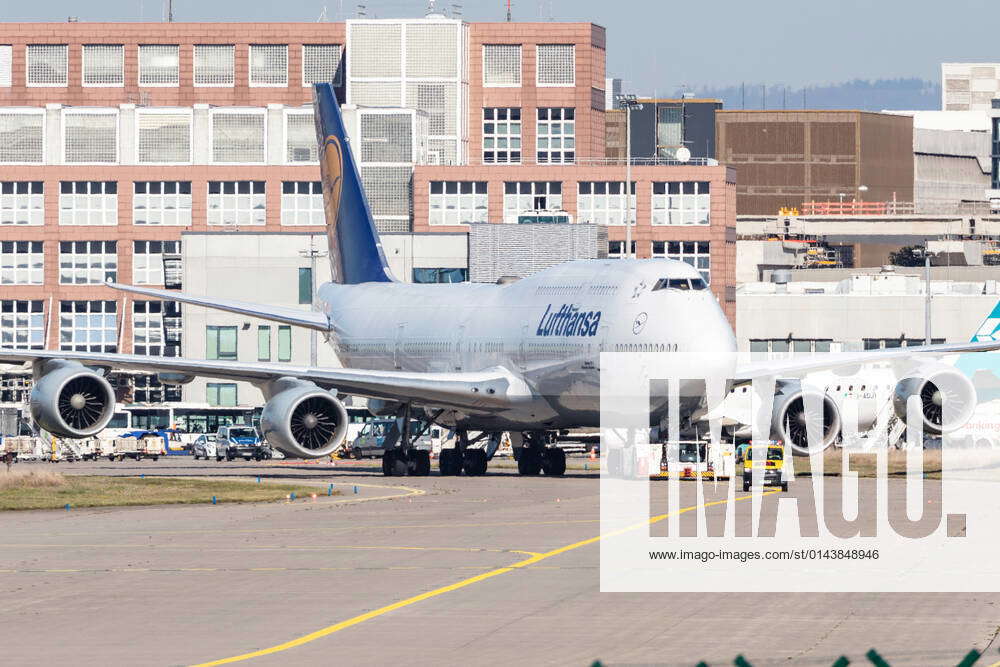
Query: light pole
x=628 y=103
x=312 y=253
x=927 y=293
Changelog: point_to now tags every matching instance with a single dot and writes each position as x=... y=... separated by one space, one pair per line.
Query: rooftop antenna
x=456 y=10
x=508 y=11
x=361 y=11
x=322 y=16
x=168 y=11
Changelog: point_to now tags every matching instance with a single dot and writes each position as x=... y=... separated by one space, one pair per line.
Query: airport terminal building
x=183 y=155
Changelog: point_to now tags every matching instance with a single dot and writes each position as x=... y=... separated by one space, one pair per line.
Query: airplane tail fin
x=356 y=254
x=989 y=330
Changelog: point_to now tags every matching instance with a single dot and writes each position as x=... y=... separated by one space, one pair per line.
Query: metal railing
x=876 y=208
x=589 y=162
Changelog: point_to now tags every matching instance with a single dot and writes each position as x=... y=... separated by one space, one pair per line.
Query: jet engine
x=947 y=397
x=69 y=400
x=797 y=411
x=302 y=420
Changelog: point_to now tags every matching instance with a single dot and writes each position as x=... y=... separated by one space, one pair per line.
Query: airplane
x=871 y=395
x=522 y=357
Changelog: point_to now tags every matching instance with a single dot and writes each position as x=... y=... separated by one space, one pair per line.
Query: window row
x=89 y=262
x=221 y=342
x=695 y=253
x=555 y=65
x=165 y=203
x=92 y=326
x=103 y=65
x=160 y=136
x=555 y=135
x=598 y=202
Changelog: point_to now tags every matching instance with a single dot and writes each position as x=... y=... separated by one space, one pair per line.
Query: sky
x=661 y=45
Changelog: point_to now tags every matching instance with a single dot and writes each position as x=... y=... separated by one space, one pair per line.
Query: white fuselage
x=549 y=329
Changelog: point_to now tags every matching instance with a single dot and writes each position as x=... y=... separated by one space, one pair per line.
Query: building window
x=221 y=394
x=238 y=136
x=501 y=65
x=161 y=203
x=87 y=262
x=159 y=65
x=88 y=326
x=681 y=203
x=22 y=203
x=458 y=202
x=46 y=64
x=556 y=141
x=236 y=203
x=302 y=203
x=6 y=63
x=156 y=327
x=305 y=286
x=300 y=137
x=147 y=260
x=440 y=275
x=147 y=388
x=263 y=343
x=386 y=137
x=284 y=343
x=616 y=249
x=783 y=346
x=22 y=263
x=556 y=65
x=213 y=65
x=90 y=136
x=22 y=325
x=22 y=139
x=695 y=253
x=88 y=203
x=603 y=203
x=891 y=343
x=521 y=196
x=269 y=65
x=502 y=135
x=321 y=63
x=163 y=136
x=220 y=342
x=103 y=65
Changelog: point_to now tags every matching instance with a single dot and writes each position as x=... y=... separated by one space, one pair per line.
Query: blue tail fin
x=987 y=331
x=355 y=250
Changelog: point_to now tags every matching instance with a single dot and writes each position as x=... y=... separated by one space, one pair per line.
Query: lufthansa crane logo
x=639 y=323
x=333 y=167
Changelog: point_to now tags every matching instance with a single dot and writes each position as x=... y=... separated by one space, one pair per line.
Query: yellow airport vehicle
x=771 y=465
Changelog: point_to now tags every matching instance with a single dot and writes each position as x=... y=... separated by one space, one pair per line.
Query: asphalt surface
x=176 y=585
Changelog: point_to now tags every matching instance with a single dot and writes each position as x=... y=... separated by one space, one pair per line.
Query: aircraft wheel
x=530 y=461
x=450 y=462
x=421 y=463
x=554 y=462
x=474 y=463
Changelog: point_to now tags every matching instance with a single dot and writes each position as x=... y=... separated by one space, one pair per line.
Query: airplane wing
x=303 y=318
x=485 y=391
x=790 y=367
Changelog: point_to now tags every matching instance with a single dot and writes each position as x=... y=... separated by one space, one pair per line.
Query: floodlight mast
x=629 y=103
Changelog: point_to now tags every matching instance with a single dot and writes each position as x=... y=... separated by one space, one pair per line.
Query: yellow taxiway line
x=381 y=611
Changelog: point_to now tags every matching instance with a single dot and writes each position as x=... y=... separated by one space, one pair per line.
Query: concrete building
x=861 y=311
x=995 y=178
x=786 y=159
x=969 y=86
x=682 y=211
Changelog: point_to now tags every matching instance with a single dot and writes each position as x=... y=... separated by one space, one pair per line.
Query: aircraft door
x=459 y=355
x=397 y=351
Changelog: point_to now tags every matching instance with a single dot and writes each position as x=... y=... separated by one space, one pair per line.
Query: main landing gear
x=464 y=458
x=534 y=456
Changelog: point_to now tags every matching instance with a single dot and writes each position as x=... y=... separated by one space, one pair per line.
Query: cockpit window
x=680 y=284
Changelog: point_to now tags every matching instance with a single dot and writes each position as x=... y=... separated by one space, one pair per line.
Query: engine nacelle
x=798 y=410
x=302 y=420
x=69 y=400
x=947 y=397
